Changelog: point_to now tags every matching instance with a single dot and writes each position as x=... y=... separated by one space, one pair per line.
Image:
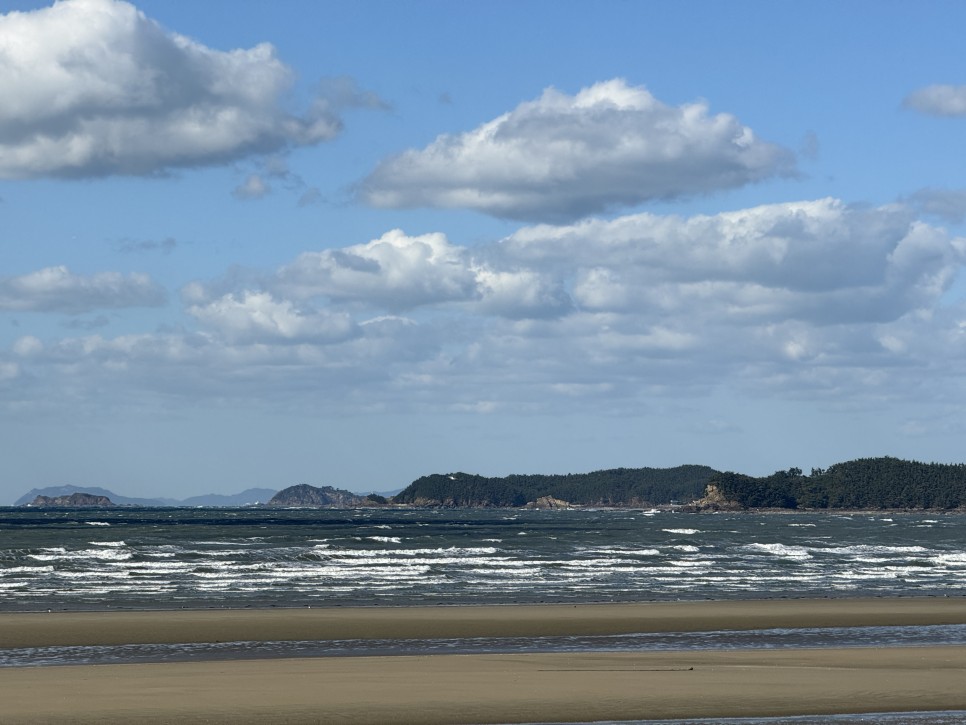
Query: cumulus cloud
x=95 y=87
x=395 y=271
x=822 y=261
x=938 y=100
x=258 y=317
x=57 y=289
x=563 y=157
x=814 y=299
x=401 y=272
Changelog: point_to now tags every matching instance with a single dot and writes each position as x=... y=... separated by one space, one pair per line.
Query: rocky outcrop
x=75 y=500
x=548 y=502
x=714 y=500
x=307 y=496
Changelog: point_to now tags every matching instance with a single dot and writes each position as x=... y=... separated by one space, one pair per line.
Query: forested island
x=613 y=487
x=867 y=484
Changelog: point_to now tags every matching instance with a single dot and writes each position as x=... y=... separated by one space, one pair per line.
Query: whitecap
x=783 y=550
x=686 y=532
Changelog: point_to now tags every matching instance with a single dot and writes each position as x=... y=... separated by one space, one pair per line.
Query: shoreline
x=464 y=689
x=160 y=626
x=453 y=689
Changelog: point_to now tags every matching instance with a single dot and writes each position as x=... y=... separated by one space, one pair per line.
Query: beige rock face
x=548 y=502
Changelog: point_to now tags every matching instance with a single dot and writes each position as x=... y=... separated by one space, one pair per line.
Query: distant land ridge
x=248 y=497
x=74 y=500
x=864 y=484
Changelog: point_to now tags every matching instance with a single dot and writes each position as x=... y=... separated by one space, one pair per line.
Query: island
x=74 y=500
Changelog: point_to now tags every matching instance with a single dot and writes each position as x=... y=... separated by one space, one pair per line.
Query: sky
x=353 y=243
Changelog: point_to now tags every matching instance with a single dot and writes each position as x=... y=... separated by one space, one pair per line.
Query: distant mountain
x=315 y=497
x=75 y=500
x=385 y=494
x=54 y=491
x=248 y=497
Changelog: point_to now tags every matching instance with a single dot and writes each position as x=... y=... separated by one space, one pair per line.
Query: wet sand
x=567 y=687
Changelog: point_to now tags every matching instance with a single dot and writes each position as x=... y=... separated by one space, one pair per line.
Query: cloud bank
x=562 y=157
x=94 y=88
x=815 y=299
x=57 y=289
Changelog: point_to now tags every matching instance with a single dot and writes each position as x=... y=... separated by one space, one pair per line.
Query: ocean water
x=218 y=558
x=198 y=558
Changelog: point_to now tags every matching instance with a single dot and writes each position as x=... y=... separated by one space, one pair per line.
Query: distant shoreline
x=662 y=508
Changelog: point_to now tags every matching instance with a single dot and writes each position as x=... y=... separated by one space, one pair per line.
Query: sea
x=151 y=558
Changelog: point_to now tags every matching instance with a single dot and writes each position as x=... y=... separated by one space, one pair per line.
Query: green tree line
x=613 y=487
x=866 y=483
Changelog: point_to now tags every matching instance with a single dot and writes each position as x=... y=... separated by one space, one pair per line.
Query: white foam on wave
x=97 y=523
x=26 y=570
x=782 y=550
x=860 y=549
x=64 y=555
x=685 y=532
x=618 y=551
x=107 y=543
x=386 y=539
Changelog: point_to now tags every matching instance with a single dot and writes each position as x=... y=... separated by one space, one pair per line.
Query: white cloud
x=815 y=299
x=562 y=157
x=820 y=261
x=258 y=317
x=398 y=272
x=94 y=88
x=938 y=100
x=57 y=289
x=394 y=272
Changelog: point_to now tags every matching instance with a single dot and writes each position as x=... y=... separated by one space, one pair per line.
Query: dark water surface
x=198 y=558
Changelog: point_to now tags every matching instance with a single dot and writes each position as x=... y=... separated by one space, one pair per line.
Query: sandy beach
x=484 y=688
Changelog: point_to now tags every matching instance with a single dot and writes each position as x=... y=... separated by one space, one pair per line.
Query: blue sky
x=352 y=243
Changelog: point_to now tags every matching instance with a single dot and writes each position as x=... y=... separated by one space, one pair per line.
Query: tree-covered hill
x=614 y=487
x=866 y=483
